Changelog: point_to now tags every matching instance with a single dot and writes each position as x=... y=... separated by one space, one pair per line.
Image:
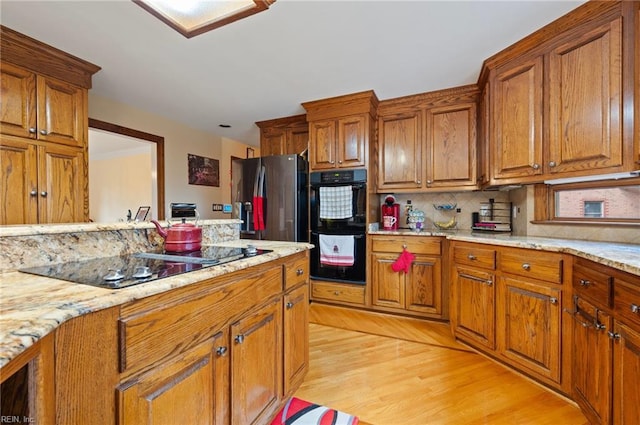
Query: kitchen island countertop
x=32 y=306
x=625 y=257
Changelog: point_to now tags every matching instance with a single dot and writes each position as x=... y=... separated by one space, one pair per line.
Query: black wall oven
x=338 y=225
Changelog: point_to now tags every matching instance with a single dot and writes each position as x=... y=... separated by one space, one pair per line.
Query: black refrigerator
x=269 y=194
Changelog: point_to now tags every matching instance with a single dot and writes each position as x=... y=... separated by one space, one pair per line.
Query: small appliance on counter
x=183 y=210
x=390 y=213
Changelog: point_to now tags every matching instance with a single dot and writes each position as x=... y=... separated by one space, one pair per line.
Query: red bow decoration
x=403 y=262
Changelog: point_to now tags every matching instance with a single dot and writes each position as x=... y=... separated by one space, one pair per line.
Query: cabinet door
x=187 y=390
x=516 y=123
x=626 y=361
x=451 y=146
x=256 y=365
x=528 y=326
x=322 y=145
x=273 y=142
x=400 y=153
x=62 y=112
x=62 y=185
x=297 y=140
x=475 y=306
x=296 y=337
x=423 y=286
x=18 y=182
x=592 y=359
x=585 y=101
x=387 y=286
x=484 y=135
x=352 y=142
x=18 y=106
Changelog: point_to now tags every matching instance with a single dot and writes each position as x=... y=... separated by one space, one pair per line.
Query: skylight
x=193 y=17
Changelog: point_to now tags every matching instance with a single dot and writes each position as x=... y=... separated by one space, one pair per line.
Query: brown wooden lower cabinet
x=474 y=309
x=223 y=351
x=165 y=395
x=626 y=375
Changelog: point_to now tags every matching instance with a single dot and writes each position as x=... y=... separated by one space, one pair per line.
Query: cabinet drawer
x=474 y=256
x=626 y=299
x=296 y=272
x=534 y=264
x=175 y=323
x=325 y=291
x=591 y=283
x=415 y=245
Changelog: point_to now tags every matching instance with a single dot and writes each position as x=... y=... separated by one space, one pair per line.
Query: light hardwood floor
x=412 y=372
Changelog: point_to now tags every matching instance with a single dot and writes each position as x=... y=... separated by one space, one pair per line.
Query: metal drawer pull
x=599 y=326
x=336 y=293
x=584 y=282
x=526 y=266
x=404 y=246
x=299 y=272
x=289 y=305
x=635 y=309
x=471 y=257
x=221 y=351
x=613 y=335
x=553 y=300
x=239 y=339
x=487 y=282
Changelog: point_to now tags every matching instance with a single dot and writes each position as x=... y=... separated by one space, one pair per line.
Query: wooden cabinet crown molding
x=282 y=122
x=43 y=59
x=342 y=106
x=468 y=93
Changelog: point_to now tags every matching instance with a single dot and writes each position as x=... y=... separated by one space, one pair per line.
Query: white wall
x=118 y=184
x=179 y=140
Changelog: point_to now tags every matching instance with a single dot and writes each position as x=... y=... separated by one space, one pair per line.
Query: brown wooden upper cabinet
x=341 y=131
x=43 y=127
x=557 y=109
x=42 y=108
x=284 y=136
x=428 y=141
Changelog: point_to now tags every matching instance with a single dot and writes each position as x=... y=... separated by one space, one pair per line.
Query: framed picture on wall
x=142 y=213
x=203 y=171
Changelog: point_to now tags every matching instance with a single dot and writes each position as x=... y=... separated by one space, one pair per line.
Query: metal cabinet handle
x=487 y=282
x=33 y=192
x=553 y=300
x=404 y=246
x=289 y=305
x=584 y=282
x=635 y=309
x=43 y=132
x=599 y=326
x=340 y=161
x=526 y=266
x=552 y=163
x=239 y=339
x=32 y=130
x=299 y=272
x=336 y=293
x=43 y=194
x=429 y=181
x=613 y=335
x=536 y=166
x=419 y=181
x=221 y=351
x=472 y=257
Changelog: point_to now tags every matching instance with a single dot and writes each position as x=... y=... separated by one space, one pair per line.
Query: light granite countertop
x=32 y=306
x=625 y=257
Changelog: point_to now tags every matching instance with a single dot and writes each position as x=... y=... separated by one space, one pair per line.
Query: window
x=593 y=208
x=612 y=201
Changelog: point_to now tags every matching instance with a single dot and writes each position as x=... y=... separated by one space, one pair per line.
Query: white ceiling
x=264 y=66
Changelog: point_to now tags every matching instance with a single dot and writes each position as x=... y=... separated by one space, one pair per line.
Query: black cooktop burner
x=132 y=269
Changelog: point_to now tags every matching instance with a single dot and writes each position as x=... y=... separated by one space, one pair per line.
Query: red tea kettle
x=181 y=237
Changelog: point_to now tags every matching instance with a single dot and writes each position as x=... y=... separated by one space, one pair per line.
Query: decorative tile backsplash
x=522 y=201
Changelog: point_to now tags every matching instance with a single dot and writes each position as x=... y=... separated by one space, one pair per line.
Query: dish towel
x=336 y=202
x=403 y=262
x=301 y=412
x=337 y=250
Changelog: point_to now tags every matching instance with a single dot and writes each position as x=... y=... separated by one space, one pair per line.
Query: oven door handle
x=356 y=236
x=353 y=185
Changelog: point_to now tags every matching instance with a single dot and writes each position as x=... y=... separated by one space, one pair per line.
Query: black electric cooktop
x=132 y=269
